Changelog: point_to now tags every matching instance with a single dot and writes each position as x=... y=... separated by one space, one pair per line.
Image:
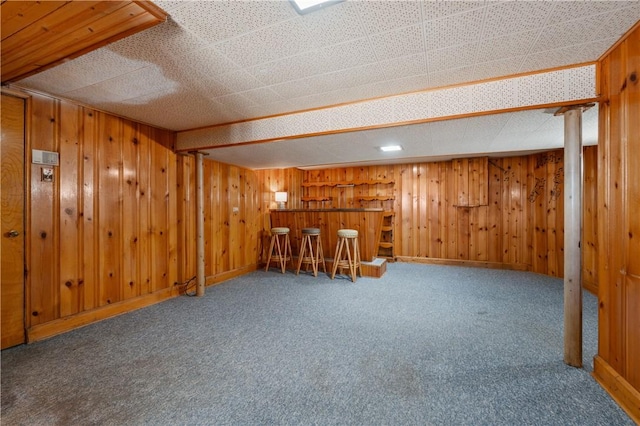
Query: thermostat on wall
x=44 y=157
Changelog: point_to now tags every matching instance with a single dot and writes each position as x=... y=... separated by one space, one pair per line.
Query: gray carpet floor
x=423 y=345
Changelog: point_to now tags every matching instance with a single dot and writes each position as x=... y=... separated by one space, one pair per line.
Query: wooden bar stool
x=352 y=259
x=279 y=248
x=307 y=254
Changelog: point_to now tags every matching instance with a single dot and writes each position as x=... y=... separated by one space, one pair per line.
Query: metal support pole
x=572 y=237
x=200 y=277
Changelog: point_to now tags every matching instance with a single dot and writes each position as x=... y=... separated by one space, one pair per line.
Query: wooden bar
x=368 y=222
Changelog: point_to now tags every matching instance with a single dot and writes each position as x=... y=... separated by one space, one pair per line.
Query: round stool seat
x=280 y=231
x=348 y=233
x=311 y=231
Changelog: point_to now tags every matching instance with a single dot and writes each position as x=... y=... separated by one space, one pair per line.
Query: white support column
x=200 y=277
x=572 y=236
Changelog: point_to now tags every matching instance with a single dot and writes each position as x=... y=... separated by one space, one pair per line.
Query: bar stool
x=352 y=260
x=279 y=243
x=306 y=248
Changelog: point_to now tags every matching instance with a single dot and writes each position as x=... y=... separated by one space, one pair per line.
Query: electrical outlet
x=235 y=210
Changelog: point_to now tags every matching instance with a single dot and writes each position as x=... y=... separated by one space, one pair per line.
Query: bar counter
x=368 y=223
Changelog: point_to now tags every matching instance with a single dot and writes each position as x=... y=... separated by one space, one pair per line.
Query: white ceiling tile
x=564 y=11
x=438 y=9
x=568 y=34
x=512 y=45
x=401 y=42
x=406 y=66
x=452 y=57
x=380 y=16
x=333 y=25
x=268 y=44
x=263 y=96
x=206 y=62
x=451 y=76
x=551 y=58
x=408 y=84
x=349 y=54
x=291 y=68
x=448 y=31
x=498 y=68
x=514 y=17
x=145 y=45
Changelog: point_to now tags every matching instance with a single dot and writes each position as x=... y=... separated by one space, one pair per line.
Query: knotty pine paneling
x=500 y=210
x=616 y=366
x=104 y=232
x=234 y=218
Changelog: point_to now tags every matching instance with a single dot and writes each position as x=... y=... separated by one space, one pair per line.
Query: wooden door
x=13 y=138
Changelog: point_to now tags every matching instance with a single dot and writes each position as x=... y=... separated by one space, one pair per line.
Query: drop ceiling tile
x=166 y=40
x=564 y=11
x=448 y=31
x=205 y=62
x=380 y=16
x=438 y=9
x=404 y=67
x=514 y=17
x=448 y=102
x=614 y=22
x=268 y=44
x=408 y=84
x=135 y=84
x=239 y=81
x=568 y=34
x=296 y=67
x=215 y=21
x=333 y=25
x=451 y=76
x=551 y=58
x=498 y=68
x=400 y=42
x=264 y=96
x=512 y=45
x=94 y=67
x=525 y=121
x=350 y=54
x=494 y=95
x=235 y=101
x=452 y=57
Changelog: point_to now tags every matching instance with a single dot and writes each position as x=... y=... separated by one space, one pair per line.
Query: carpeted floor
x=424 y=345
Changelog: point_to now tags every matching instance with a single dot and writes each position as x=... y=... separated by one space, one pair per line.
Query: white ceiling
x=217 y=62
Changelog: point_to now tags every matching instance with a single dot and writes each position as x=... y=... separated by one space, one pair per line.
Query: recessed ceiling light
x=306 y=6
x=390 y=148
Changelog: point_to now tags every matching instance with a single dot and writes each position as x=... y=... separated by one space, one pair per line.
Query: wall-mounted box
x=48 y=158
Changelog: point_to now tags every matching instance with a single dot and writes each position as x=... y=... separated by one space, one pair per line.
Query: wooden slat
x=70 y=116
x=63 y=31
x=17 y=15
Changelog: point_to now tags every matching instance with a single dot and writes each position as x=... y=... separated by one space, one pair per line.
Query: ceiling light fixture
x=390 y=148
x=306 y=6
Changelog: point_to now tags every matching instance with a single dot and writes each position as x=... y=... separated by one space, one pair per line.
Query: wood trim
x=62 y=325
x=431 y=89
x=617 y=387
x=389 y=125
x=225 y=276
x=472 y=263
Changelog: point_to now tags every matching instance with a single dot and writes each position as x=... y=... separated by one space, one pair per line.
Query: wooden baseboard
x=456 y=262
x=627 y=397
x=62 y=325
x=224 y=276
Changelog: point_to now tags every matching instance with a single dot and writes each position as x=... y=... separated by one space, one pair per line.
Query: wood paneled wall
x=102 y=237
x=617 y=365
x=503 y=211
x=234 y=217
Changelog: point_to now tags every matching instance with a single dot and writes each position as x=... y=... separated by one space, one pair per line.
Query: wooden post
x=200 y=277
x=572 y=236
